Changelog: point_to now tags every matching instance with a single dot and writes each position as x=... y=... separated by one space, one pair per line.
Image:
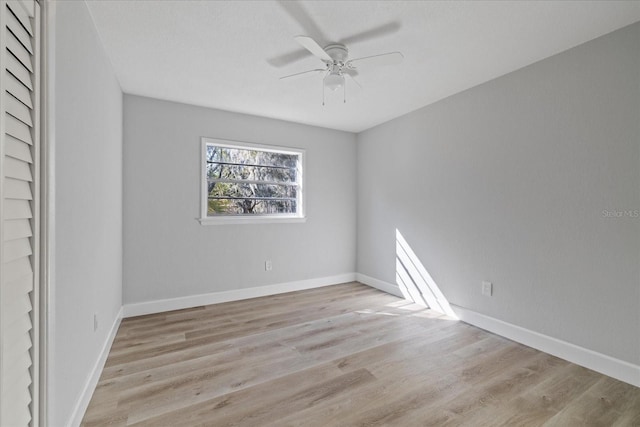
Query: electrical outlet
x=95 y=322
x=267 y=265
x=487 y=288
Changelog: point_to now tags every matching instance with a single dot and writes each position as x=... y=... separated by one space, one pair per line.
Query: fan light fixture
x=334 y=81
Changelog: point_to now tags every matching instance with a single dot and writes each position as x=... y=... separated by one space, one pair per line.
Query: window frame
x=204 y=219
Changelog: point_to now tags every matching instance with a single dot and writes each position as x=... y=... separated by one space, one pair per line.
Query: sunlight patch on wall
x=415 y=282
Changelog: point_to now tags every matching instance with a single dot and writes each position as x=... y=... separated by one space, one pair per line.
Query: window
x=250 y=183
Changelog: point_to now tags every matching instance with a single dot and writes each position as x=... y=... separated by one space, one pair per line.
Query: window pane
x=248 y=181
x=225 y=189
x=254 y=173
x=253 y=157
x=251 y=207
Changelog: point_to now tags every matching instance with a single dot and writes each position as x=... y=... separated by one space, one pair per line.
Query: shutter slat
x=16 y=327
x=17 y=129
x=22 y=16
x=17 y=229
x=17 y=169
x=16 y=27
x=19 y=51
x=16 y=400
x=20 y=382
x=28 y=5
x=17 y=89
x=17 y=149
x=16 y=270
x=18 y=348
x=16 y=288
x=19 y=71
x=18 y=371
x=14 y=249
x=15 y=209
x=17 y=339
x=20 y=414
x=18 y=110
x=17 y=189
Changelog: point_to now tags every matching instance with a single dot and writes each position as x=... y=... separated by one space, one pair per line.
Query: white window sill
x=251 y=220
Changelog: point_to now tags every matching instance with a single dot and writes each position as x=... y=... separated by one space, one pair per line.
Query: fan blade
x=379 y=31
x=303 y=72
x=350 y=71
x=296 y=10
x=390 y=58
x=313 y=47
x=353 y=79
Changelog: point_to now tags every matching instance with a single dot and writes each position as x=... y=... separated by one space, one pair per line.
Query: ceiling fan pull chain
x=323 y=92
x=344 y=92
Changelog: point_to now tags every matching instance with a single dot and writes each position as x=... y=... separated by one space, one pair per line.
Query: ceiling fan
x=337 y=64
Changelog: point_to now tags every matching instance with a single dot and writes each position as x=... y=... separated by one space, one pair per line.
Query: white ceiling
x=220 y=53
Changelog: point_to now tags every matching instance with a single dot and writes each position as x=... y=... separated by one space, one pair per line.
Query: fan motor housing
x=338 y=52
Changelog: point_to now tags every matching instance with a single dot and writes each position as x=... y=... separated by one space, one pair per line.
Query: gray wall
x=88 y=206
x=167 y=253
x=508 y=182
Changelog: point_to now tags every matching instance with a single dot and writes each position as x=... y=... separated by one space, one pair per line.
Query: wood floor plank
x=631 y=416
x=600 y=405
x=539 y=404
x=408 y=402
x=254 y=406
x=344 y=355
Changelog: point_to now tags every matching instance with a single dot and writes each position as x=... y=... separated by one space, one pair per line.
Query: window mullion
x=250 y=181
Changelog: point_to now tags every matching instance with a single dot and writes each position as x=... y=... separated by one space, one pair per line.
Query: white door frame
x=47 y=208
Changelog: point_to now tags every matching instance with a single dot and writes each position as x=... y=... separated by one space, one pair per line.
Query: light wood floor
x=344 y=355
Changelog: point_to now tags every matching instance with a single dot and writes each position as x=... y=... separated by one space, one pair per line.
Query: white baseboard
x=87 y=392
x=158 y=306
x=379 y=284
x=607 y=365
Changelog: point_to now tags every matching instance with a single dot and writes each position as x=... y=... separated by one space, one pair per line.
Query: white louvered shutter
x=19 y=191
